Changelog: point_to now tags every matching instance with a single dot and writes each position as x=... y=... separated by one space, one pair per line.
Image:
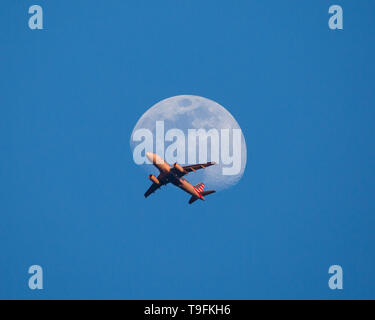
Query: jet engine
x=179 y=168
x=153 y=179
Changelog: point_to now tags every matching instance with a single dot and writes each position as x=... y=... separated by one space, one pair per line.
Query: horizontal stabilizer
x=193 y=199
x=205 y=193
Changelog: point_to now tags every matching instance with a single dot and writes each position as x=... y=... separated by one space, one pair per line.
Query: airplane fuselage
x=169 y=174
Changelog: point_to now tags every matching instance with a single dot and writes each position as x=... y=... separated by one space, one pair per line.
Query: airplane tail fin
x=199 y=188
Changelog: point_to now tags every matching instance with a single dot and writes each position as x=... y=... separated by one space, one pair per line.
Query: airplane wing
x=198 y=166
x=152 y=189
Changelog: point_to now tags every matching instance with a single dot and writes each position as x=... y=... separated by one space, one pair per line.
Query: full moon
x=193 y=112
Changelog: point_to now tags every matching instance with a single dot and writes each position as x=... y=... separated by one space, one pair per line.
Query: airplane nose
x=149 y=156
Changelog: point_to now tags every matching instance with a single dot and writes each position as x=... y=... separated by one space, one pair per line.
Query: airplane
x=175 y=175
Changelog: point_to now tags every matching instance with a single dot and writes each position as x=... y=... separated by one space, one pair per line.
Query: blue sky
x=71 y=198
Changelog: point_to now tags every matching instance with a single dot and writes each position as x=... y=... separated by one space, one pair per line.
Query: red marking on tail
x=199 y=188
